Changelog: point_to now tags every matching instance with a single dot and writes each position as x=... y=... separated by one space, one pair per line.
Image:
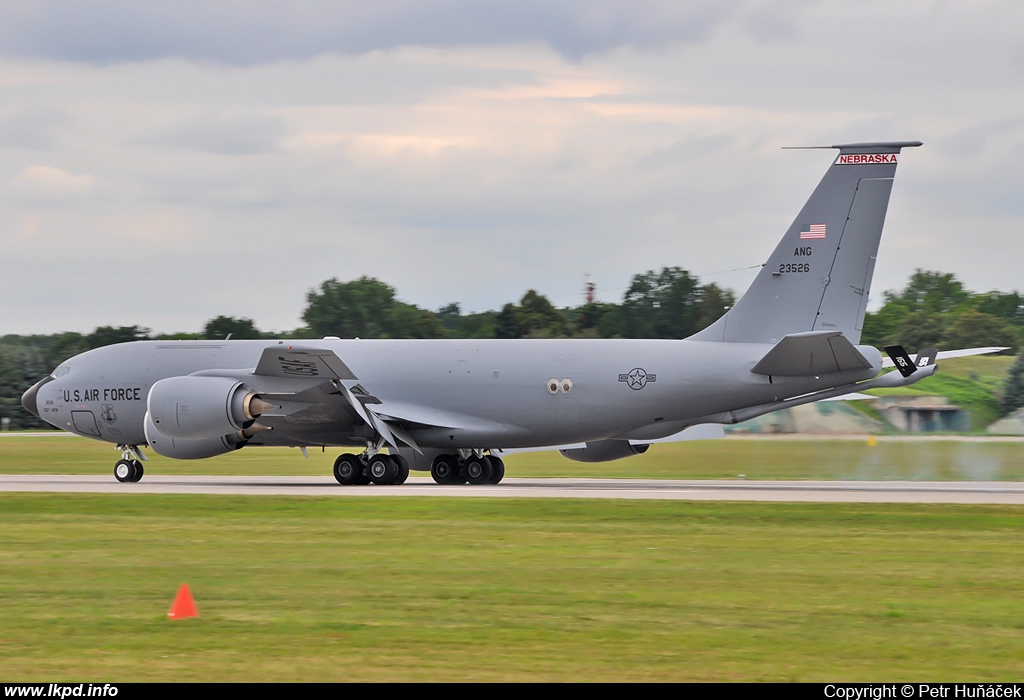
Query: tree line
x=933 y=310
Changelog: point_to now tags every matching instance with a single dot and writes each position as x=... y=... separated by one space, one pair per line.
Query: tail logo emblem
x=637 y=378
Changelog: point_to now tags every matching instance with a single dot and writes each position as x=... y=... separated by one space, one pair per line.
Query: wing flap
x=810 y=354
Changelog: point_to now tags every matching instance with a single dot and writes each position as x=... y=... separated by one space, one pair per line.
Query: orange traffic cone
x=183 y=605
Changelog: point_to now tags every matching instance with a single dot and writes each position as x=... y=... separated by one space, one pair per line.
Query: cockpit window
x=61 y=371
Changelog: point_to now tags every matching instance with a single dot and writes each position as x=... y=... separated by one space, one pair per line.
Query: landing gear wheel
x=139 y=471
x=478 y=470
x=445 y=469
x=383 y=469
x=347 y=468
x=497 y=469
x=124 y=471
x=403 y=470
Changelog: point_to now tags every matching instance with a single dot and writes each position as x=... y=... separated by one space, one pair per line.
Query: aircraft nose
x=28 y=399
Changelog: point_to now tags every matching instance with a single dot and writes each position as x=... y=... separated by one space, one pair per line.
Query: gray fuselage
x=479 y=394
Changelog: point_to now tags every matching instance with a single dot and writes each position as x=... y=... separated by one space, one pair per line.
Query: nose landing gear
x=128 y=470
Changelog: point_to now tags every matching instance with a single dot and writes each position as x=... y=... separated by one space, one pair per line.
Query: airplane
x=454 y=407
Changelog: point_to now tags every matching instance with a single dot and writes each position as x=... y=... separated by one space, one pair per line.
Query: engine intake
x=182 y=448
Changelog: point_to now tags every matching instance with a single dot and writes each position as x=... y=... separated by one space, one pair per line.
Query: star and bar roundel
x=637 y=378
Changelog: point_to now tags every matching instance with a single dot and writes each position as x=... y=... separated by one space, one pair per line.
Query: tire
x=124 y=471
x=497 y=469
x=383 y=470
x=478 y=470
x=403 y=470
x=445 y=469
x=139 y=471
x=347 y=469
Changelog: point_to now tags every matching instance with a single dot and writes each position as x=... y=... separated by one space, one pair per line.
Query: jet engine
x=202 y=407
x=604 y=451
x=182 y=448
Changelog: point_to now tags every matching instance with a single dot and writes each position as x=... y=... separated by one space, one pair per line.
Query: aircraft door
x=85 y=423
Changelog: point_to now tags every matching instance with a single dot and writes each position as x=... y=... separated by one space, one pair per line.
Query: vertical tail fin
x=820 y=273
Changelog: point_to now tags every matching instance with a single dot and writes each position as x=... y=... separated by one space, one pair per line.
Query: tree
x=109 y=335
x=661 y=305
x=357 y=309
x=409 y=321
x=589 y=316
x=921 y=329
x=972 y=328
x=931 y=291
x=1009 y=307
x=538 y=317
x=238 y=328
x=20 y=368
x=506 y=325
x=1013 y=388
x=366 y=308
x=450 y=317
x=712 y=303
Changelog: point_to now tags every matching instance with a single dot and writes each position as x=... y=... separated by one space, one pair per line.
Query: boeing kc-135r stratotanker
x=454 y=406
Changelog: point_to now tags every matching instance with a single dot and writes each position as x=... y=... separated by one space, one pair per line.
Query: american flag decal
x=813 y=232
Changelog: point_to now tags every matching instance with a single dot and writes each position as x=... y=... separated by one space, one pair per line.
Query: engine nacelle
x=202 y=407
x=604 y=451
x=182 y=448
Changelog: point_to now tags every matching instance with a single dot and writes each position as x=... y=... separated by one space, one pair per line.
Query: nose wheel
x=128 y=470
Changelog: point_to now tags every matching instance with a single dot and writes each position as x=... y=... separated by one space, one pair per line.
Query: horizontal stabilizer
x=811 y=353
x=950 y=354
x=288 y=361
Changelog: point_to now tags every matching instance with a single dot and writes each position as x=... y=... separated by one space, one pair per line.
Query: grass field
x=323 y=589
x=707 y=459
x=530 y=590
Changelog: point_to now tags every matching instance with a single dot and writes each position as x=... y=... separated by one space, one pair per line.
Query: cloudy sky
x=162 y=163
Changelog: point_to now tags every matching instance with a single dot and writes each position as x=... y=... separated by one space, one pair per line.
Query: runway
x=997 y=492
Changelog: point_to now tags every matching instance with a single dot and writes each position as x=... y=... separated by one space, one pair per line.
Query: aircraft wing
x=702 y=431
x=811 y=353
x=389 y=418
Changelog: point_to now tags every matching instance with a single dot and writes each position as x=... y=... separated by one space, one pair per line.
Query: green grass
x=357 y=589
x=705 y=459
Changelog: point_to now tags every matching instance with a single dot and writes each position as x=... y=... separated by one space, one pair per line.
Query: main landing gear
x=381 y=469
x=391 y=470
x=453 y=469
x=127 y=470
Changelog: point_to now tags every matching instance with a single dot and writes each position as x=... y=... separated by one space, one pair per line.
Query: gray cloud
x=213 y=132
x=34 y=127
x=252 y=31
